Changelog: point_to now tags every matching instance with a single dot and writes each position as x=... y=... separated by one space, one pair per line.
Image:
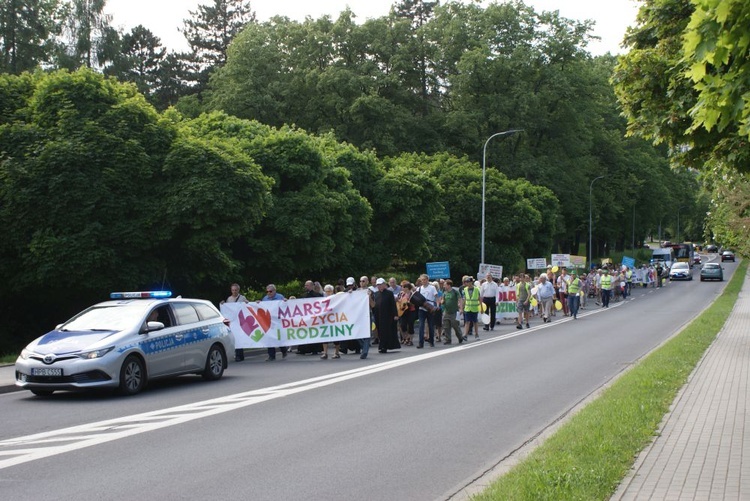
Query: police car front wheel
x=216 y=362
x=132 y=375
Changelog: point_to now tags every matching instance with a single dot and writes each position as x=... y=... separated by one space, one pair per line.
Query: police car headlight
x=90 y=355
x=25 y=354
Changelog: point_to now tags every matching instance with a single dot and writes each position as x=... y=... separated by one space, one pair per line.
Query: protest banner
x=495 y=270
x=578 y=261
x=506 y=303
x=628 y=261
x=536 y=263
x=266 y=324
x=560 y=260
x=438 y=269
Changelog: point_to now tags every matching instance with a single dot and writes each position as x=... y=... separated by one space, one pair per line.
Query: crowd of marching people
x=427 y=312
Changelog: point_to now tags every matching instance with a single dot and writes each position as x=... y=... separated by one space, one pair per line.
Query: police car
x=125 y=342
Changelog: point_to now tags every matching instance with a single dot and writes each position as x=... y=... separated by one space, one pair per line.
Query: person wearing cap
x=574 y=297
x=606 y=286
x=470 y=308
x=386 y=317
x=351 y=284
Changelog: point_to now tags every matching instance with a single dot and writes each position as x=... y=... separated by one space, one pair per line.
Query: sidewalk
x=704 y=442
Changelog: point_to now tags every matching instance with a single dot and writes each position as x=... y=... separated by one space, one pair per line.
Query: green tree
x=170 y=82
x=98 y=192
x=209 y=32
x=679 y=85
x=717 y=51
x=140 y=60
x=88 y=36
x=652 y=86
x=520 y=217
x=27 y=30
x=317 y=218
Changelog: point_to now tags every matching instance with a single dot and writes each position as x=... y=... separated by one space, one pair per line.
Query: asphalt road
x=413 y=424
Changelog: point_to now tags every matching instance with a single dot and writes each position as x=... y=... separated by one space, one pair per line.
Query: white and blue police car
x=125 y=342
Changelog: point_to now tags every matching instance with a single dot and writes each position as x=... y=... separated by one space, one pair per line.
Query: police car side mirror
x=154 y=326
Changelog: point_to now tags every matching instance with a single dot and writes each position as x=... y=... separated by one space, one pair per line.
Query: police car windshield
x=107 y=318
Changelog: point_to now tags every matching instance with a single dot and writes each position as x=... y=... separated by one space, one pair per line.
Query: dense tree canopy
x=323 y=148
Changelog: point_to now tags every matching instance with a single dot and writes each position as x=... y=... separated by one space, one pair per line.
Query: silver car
x=680 y=271
x=125 y=342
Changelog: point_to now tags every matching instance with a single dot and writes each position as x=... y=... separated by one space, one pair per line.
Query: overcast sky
x=164 y=17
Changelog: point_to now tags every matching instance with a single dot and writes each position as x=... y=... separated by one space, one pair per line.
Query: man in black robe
x=386 y=317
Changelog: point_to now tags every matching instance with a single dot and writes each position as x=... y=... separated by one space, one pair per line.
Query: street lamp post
x=591 y=187
x=484 y=176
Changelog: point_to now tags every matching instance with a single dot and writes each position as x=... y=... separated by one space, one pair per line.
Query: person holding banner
x=364 y=344
x=236 y=297
x=545 y=295
x=272 y=295
x=488 y=291
x=311 y=290
x=328 y=291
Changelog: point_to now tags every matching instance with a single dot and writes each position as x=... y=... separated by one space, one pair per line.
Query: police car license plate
x=46 y=371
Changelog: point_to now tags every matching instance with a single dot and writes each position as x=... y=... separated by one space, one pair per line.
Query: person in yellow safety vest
x=628 y=280
x=606 y=286
x=523 y=300
x=470 y=308
x=574 y=297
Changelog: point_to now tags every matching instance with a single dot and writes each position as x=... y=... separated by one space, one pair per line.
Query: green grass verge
x=8 y=359
x=589 y=456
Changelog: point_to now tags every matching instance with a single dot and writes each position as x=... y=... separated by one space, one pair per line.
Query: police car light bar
x=140 y=295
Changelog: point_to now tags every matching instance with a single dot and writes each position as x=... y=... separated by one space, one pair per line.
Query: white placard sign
x=536 y=263
x=495 y=270
x=560 y=260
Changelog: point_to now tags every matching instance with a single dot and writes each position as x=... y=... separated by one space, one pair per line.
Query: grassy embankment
x=588 y=457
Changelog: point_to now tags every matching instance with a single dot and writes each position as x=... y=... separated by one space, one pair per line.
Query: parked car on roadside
x=124 y=343
x=712 y=271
